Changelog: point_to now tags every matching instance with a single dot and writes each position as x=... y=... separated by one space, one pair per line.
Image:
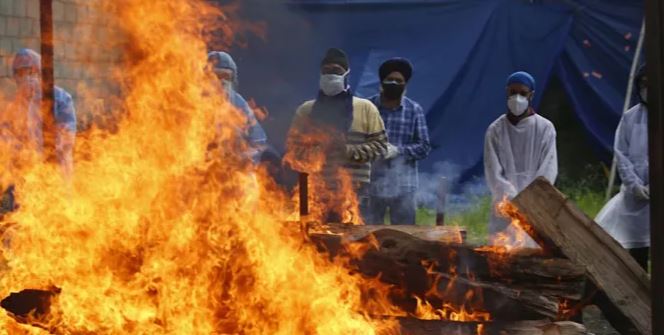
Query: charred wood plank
x=415 y=266
x=410 y=326
x=562 y=227
x=446 y=234
x=527 y=270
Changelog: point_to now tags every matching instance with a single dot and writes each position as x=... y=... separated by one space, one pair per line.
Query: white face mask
x=517 y=104
x=644 y=94
x=227 y=85
x=332 y=84
x=28 y=84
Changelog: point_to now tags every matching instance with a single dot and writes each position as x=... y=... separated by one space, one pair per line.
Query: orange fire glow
x=517 y=235
x=307 y=151
x=156 y=234
x=159 y=232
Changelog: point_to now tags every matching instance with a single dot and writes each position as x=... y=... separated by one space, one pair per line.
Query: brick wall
x=82 y=59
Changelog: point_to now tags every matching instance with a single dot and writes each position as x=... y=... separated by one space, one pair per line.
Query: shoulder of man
x=544 y=122
x=499 y=122
x=633 y=112
x=62 y=96
x=305 y=108
x=64 y=111
x=412 y=104
x=375 y=99
x=364 y=104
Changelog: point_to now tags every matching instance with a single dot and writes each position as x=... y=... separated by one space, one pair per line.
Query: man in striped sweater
x=337 y=133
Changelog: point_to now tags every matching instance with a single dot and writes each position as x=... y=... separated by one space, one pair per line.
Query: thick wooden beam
x=411 y=326
x=654 y=13
x=562 y=226
x=445 y=234
x=514 y=287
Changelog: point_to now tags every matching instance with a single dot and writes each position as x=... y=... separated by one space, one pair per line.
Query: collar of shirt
x=376 y=100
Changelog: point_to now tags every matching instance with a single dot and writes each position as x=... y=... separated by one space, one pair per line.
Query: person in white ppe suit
x=22 y=130
x=626 y=217
x=519 y=147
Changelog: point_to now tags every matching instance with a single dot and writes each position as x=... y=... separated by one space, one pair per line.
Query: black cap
x=400 y=65
x=335 y=56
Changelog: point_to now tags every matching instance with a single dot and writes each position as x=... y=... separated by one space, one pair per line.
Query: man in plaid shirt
x=394 y=179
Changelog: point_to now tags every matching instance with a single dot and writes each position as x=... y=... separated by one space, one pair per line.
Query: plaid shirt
x=407 y=129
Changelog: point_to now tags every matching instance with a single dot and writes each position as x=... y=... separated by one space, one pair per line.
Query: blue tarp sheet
x=462 y=51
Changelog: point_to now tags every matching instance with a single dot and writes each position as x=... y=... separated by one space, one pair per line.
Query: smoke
x=443 y=184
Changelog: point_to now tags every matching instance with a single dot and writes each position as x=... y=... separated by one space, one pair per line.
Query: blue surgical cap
x=26 y=58
x=522 y=77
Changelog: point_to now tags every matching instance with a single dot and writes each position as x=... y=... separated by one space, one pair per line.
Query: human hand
x=642 y=192
x=392 y=151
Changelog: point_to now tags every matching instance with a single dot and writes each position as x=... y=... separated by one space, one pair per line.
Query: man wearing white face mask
x=519 y=147
x=346 y=131
x=626 y=217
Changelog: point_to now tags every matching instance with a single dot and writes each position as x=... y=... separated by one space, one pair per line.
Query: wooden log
x=561 y=226
x=553 y=276
x=504 y=302
x=445 y=234
x=410 y=326
x=414 y=265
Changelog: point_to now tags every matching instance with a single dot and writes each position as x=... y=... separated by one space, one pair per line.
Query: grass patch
x=476 y=218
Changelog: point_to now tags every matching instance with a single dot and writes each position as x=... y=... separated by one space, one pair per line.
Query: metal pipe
x=304 y=194
x=47 y=78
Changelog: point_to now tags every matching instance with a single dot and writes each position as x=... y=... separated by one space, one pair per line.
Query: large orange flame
x=517 y=235
x=307 y=151
x=156 y=234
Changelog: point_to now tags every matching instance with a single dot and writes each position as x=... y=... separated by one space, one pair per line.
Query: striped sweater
x=364 y=142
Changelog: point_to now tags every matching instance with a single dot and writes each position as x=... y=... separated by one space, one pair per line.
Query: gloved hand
x=351 y=153
x=642 y=192
x=392 y=151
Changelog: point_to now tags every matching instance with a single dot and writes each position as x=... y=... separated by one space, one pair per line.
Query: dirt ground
x=596 y=323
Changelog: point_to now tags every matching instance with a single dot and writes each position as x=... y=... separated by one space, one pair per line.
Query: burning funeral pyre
x=158 y=232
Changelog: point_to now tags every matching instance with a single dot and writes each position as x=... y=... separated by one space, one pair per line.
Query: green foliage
x=476 y=218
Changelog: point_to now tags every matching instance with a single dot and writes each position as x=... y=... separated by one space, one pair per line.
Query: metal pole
x=442 y=201
x=628 y=101
x=654 y=11
x=47 y=76
x=304 y=194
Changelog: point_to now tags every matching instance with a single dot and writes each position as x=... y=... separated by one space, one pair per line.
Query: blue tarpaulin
x=462 y=50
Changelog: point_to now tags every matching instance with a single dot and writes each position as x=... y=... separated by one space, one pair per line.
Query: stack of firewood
x=529 y=291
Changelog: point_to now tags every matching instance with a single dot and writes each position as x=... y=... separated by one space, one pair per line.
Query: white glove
x=392 y=151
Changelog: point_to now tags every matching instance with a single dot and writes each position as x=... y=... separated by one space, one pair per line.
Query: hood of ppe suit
x=26 y=58
x=222 y=60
